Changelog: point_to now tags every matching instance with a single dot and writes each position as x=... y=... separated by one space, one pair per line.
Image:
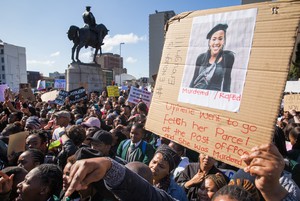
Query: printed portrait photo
x=217 y=60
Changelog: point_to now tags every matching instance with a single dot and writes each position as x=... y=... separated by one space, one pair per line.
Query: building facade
x=157 y=23
x=33 y=77
x=112 y=65
x=12 y=65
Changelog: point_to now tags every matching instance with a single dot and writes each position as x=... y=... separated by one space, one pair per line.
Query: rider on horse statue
x=90 y=21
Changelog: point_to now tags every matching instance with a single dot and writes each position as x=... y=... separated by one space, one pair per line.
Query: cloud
x=55 y=54
x=46 y=62
x=131 y=60
x=114 y=41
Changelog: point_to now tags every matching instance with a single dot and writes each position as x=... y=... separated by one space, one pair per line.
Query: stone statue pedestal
x=89 y=76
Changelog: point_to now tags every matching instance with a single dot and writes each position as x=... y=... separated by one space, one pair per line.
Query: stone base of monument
x=89 y=76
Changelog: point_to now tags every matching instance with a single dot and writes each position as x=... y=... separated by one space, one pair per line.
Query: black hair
x=234 y=192
x=295 y=133
x=44 y=135
x=178 y=147
x=14 y=170
x=51 y=176
x=77 y=134
x=139 y=126
x=36 y=155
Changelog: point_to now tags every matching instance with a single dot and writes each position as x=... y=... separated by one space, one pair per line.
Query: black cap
x=102 y=136
x=86 y=152
x=218 y=27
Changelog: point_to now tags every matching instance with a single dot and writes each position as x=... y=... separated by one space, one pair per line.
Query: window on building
x=2 y=51
x=3 y=76
x=2 y=59
x=3 y=68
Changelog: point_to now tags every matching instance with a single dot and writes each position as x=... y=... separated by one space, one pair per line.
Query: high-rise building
x=157 y=23
x=12 y=65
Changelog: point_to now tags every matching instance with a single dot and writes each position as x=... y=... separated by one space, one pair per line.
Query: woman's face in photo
x=216 y=42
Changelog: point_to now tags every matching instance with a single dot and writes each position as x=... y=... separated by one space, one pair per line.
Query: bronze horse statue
x=87 y=37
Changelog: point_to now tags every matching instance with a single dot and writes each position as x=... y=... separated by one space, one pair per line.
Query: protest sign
x=136 y=95
x=77 y=95
x=243 y=114
x=41 y=85
x=113 y=91
x=292 y=102
x=62 y=95
x=49 y=96
x=17 y=142
x=2 y=90
x=27 y=94
x=60 y=84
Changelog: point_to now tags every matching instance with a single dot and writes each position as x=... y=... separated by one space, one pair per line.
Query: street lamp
x=121 y=48
x=121 y=61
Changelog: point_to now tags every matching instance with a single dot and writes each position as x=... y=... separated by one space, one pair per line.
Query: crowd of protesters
x=98 y=149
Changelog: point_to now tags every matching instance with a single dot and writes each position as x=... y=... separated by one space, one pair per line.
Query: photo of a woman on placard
x=213 y=68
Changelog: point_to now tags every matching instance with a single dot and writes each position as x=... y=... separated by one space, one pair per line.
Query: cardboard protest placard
x=62 y=95
x=292 y=102
x=17 y=142
x=113 y=91
x=49 y=96
x=60 y=83
x=136 y=95
x=27 y=94
x=212 y=95
x=77 y=95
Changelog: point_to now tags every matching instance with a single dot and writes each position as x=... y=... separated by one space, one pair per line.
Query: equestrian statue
x=91 y=34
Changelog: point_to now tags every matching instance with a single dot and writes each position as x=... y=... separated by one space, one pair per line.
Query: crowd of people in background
x=98 y=149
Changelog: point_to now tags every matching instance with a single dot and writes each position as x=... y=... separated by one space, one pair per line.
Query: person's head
x=101 y=141
x=294 y=137
x=19 y=175
x=38 y=140
x=117 y=136
x=109 y=120
x=40 y=183
x=121 y=100
x=211 y=184
x=217 y=38
x=206 y=162
x=32 y=123
x=30 y=159
x=62 y=118
x=92 y=122
x=126 y=109
x=142 y=108
x=16 y=127
x=141 y=169
x=232 y=193
x=177 y=147
x=14 y=116
x=81 y=153
x=137 y=132
x=77 y=134
x=246 y=185
x=288 y=129
x=107 y=105
x=164 y=161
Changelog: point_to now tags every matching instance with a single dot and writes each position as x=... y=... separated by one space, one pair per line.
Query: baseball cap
x=63 y=113
x=102 y=136
x=92 y=121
